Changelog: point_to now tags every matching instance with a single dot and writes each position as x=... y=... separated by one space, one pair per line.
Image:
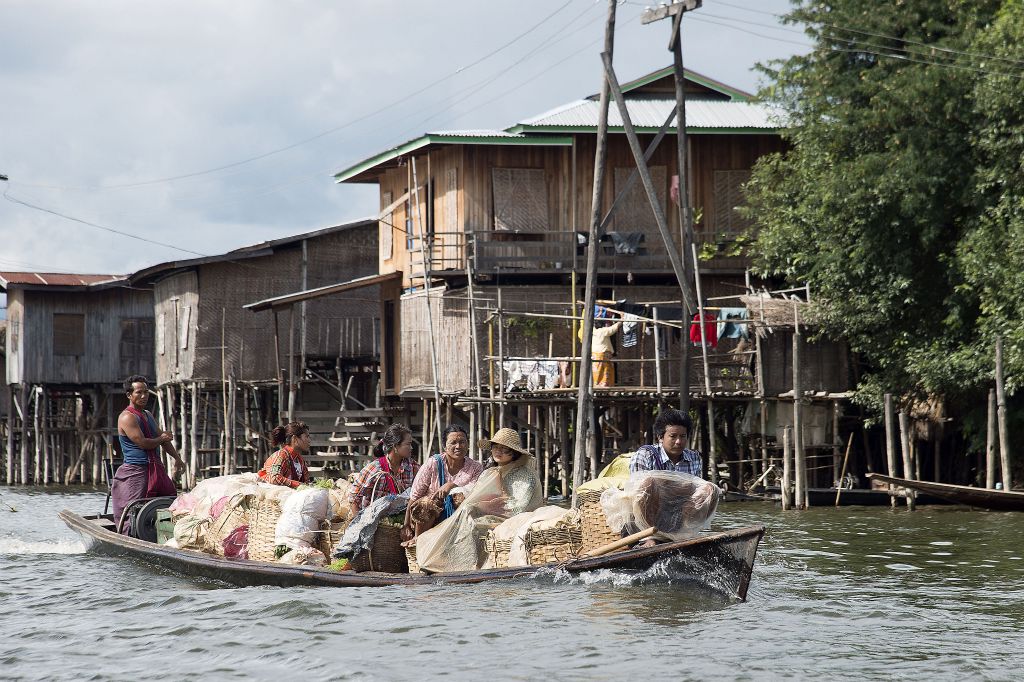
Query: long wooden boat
x=722 y=561
x=1002 y=500
x=853 y=497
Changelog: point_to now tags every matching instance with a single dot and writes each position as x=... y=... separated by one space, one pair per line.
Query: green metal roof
x=735 y=94
x=474 y=137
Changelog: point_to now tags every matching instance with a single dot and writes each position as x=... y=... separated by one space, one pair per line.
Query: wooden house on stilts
x=488 y=230
x=70 y=341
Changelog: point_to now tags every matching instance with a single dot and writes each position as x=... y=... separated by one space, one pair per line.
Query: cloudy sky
x=207 y=125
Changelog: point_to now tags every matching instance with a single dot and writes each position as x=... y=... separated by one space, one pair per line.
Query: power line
x=318 y=135
x=874 y=34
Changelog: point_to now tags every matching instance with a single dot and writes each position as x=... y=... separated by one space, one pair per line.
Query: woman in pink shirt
x=430 y=500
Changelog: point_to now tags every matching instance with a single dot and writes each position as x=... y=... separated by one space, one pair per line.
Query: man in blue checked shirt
x=671 y=433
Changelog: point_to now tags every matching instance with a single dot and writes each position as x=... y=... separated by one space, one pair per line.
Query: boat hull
x=723 y=561
x=999 y=500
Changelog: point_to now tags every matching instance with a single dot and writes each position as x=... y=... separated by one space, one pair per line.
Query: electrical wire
x=319 y=135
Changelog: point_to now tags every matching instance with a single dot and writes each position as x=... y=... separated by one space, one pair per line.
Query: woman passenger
x=286 y=466
x=523 y=490
x=390 y=473
x=430 y=501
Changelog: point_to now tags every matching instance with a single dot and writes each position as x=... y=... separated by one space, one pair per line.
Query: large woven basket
x=386 y=554
x=329 y=536
x=262 y=525
x=498 y=550
x=221 y=527
x=410 y=556
x=593 y=522
x=554 y=545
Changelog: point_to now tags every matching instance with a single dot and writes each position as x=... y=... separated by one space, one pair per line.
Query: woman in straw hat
x=508 y=486
x=515 y=466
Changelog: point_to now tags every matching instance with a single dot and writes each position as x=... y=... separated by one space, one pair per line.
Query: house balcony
x=491 y=252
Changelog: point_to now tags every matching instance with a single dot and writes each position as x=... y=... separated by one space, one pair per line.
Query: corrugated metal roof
x=54 y=279
x=475 y=133
x=651 y=113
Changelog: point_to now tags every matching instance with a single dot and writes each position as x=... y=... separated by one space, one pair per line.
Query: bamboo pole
x=183 y=425
x=37 y=474
x=44 y=436
x=799 y=455
x=990 y=442
x=584 y=405
x=836 y=444
x=1005 y=457
x=10 y=435
x=501 y=362
x=194 y=449
x=426 y=288
x=292 y=381
x=23 y=390
x=839 y=488
x=657 y=353
x=890 y=451
x=712 y=450
x=908 y=467
x=787 y=469
x=229 y=430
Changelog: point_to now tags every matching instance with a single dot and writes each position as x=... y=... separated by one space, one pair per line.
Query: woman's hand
x=492 y=505
x=406 y=533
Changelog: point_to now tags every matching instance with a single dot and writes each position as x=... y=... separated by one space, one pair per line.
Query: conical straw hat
x=510 y=439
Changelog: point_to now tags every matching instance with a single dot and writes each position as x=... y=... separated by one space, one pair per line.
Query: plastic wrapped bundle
x=678 y=505
x=300 y=519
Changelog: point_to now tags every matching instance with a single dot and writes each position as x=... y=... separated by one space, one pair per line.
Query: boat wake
x=675 y=570
x=19 y=547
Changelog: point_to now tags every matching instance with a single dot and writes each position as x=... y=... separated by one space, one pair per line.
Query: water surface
x=856 y=593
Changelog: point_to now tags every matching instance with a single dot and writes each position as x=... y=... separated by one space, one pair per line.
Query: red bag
x=236 y=543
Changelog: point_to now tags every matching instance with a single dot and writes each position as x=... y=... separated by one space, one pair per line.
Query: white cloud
x=110 y=93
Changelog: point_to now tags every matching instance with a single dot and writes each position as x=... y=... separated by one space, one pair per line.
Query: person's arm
x=129 y=425
x=274 y=467
x=179 y=463
x=355 y=491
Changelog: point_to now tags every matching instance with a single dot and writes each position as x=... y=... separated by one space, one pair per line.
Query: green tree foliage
x=875 y=204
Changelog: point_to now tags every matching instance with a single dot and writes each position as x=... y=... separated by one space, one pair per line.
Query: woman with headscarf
x=286 y=466
x=430 y=500
x=389 y=474
x=508 y=486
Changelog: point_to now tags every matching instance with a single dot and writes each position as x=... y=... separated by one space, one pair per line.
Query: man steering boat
x=142 y=474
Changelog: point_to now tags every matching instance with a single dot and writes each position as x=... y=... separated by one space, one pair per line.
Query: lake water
x=856 y=593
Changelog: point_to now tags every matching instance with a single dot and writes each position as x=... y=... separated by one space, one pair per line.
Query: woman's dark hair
x=129 y=383
x=670 y=417
x=284 y=434
x=449 y=430
x=391 y=439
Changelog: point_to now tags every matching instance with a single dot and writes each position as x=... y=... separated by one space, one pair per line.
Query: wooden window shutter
x=520 y=199
x=161 y=322
x=635 y=214
x=728 y=189
x=186 y=316
x=68 y=334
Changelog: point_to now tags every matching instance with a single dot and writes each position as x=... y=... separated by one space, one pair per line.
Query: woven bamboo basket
x=221 y=527
x=498 y=550
x=329 y=536
x=262 y=525
x=553 y=545
x=593 y=522
x=386 y=554
x=410 y=557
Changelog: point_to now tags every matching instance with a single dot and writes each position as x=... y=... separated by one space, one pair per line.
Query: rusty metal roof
x=54 y=279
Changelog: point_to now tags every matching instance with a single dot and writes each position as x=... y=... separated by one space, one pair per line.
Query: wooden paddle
x=618 y=544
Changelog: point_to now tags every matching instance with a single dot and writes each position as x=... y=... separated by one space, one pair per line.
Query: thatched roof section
x=774 y=312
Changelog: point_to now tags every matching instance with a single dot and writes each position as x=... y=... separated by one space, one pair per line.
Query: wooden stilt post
x=183 y=426
x=585 y=400
x=231 y=451
x=10 y=435
x=293 y=372
x=990 y=442
x=37 y=474
x=657 y=353
x=712 y=450
x=193 y=466
x=908 y=466
x=501 y=362
x=1005 y=458
x=890 y=451
x=23 y=392
x=799 y=455
x=836 y=445
x=787 y=470
x=48 y=474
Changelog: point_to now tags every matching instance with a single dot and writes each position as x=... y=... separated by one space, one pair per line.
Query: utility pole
x=675 y=45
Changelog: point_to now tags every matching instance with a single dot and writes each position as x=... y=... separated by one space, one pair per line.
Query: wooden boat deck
x=723 y=561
